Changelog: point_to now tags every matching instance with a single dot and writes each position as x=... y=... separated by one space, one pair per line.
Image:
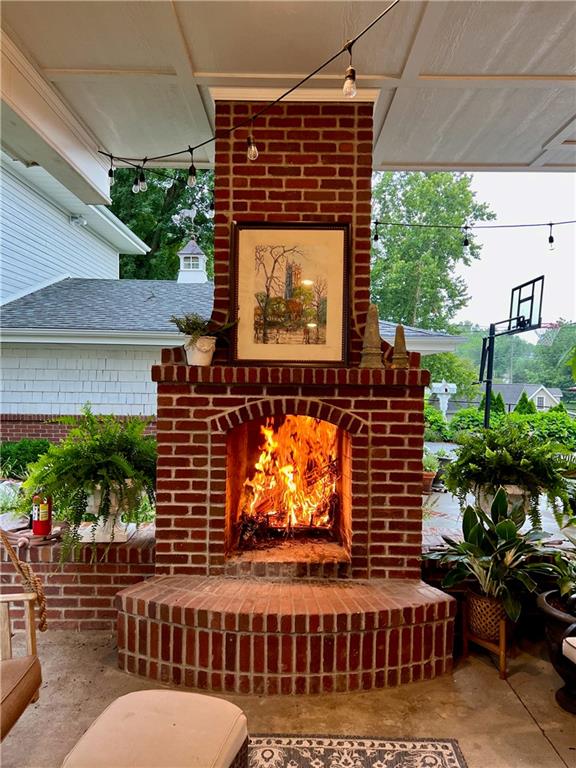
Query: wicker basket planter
x=484 y=616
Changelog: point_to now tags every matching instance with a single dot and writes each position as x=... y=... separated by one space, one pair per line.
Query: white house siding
x=61 y=378
x=39 y=245
x=548 y=401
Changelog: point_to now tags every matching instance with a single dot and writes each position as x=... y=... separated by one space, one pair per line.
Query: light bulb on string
x=349 y=88
x=376 y=236
x=211 y=208
x=136 y=185
x=142 y=180
x=252 y=151
x=191 y=180
x=466 y=241
x=111 y=172
x=551 y=238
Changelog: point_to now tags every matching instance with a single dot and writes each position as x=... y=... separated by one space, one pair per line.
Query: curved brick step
x=259 y=636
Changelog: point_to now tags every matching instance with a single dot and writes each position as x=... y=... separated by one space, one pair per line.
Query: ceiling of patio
x=456 y=85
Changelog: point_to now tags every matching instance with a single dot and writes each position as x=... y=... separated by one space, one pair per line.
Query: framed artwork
x=291 y=290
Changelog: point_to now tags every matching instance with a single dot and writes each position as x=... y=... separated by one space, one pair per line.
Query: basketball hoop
x=547 y=333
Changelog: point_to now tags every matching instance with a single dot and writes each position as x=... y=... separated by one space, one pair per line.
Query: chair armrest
x=29 y=598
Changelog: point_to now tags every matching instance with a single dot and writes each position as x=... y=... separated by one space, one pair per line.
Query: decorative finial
x=372 y=345
x=400 y=358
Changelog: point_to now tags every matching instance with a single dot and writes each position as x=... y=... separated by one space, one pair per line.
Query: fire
x=294 y=482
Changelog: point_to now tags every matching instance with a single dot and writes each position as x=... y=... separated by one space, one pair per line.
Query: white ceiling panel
x=460 y=127
x=133 y=120
x=505 y=38
x=456 y=83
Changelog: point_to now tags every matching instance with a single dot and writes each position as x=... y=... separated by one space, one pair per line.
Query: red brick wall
x=16 y=426
x=314 y=165
x=382 y=410
x=80 y=595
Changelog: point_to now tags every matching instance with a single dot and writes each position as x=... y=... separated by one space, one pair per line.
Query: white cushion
x=162 y=729
x=569 y=648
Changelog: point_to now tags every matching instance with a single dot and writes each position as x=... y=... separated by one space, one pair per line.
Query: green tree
x=551 y=362
x=413 y=279
x=499 y=404
x=158 y=216
x=512 y=354
x=524 y=405
x=446 y=366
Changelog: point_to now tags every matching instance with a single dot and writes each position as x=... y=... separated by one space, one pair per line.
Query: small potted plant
x=508 y=456
x=202 y=336
x=430 y=466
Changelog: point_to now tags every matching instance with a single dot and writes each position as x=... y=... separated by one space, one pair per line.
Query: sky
x=513 y=256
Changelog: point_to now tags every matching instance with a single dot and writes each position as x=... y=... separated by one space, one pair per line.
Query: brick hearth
x=283 y=638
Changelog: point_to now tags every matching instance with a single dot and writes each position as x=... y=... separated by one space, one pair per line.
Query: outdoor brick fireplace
x=258 y=589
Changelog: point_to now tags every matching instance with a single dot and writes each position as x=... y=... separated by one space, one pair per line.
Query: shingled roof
x=108 y=305
x=127 y=306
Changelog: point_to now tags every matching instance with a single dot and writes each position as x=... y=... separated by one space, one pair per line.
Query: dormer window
x=190 y=262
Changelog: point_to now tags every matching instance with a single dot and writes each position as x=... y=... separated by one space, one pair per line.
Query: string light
x=211 y=208
x=349 y=87
x=111 y=178
x=136 y=185
x=252 y=150
x=376 y=236
x=466 y=241
x=191 y=180
x=551 y=238
x=142 y=185
x=266 y=108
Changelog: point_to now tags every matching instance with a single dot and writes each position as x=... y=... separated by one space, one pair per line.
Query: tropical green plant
x=509 y=455
x=495 y=553
x=107 y=458
x=195 y=326
x=435 y=426
x=15 y=456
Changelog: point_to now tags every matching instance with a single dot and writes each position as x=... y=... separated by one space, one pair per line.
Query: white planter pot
x=200 y=352
x=105 y=532
x=515 y=494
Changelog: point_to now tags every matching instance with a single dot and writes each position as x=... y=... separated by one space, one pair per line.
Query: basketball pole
x=489 y=374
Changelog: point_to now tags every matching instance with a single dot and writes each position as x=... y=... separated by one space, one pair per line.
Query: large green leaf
x=469 y=520
x=506 y=530
x=512 y=606
x=499 y=507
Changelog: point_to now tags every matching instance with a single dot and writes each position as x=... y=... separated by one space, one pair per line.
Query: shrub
x=524 y=405
x=15 y=457
x=465 y=420
x=436 y=428
x=499 y=406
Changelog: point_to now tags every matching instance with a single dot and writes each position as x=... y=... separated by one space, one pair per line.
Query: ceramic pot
x=560 y=624
x=200 y=351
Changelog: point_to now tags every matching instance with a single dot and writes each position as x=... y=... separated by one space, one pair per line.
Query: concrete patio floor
x=499 y=724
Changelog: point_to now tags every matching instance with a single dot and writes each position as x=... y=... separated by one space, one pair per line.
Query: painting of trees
x=289 y=308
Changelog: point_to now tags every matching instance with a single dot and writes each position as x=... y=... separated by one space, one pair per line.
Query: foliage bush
x=554 y=425
x=470 y=420
x=436 y=428
x=15 y=457
x=524 y=405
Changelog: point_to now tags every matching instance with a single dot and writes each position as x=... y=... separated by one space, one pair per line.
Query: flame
x=294 y=481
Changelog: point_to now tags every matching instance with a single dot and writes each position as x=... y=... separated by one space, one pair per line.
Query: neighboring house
x=48 y=234
x=543 y=397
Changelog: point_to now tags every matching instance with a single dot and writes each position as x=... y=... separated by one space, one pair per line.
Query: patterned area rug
x=275 y=751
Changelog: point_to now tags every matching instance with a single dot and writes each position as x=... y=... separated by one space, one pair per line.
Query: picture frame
x=290 y=293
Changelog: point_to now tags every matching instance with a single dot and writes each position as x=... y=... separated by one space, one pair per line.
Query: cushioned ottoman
x=164 y=729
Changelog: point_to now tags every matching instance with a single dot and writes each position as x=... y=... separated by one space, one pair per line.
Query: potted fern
x=99 y=473
x=508 y=456
x=201 y=337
